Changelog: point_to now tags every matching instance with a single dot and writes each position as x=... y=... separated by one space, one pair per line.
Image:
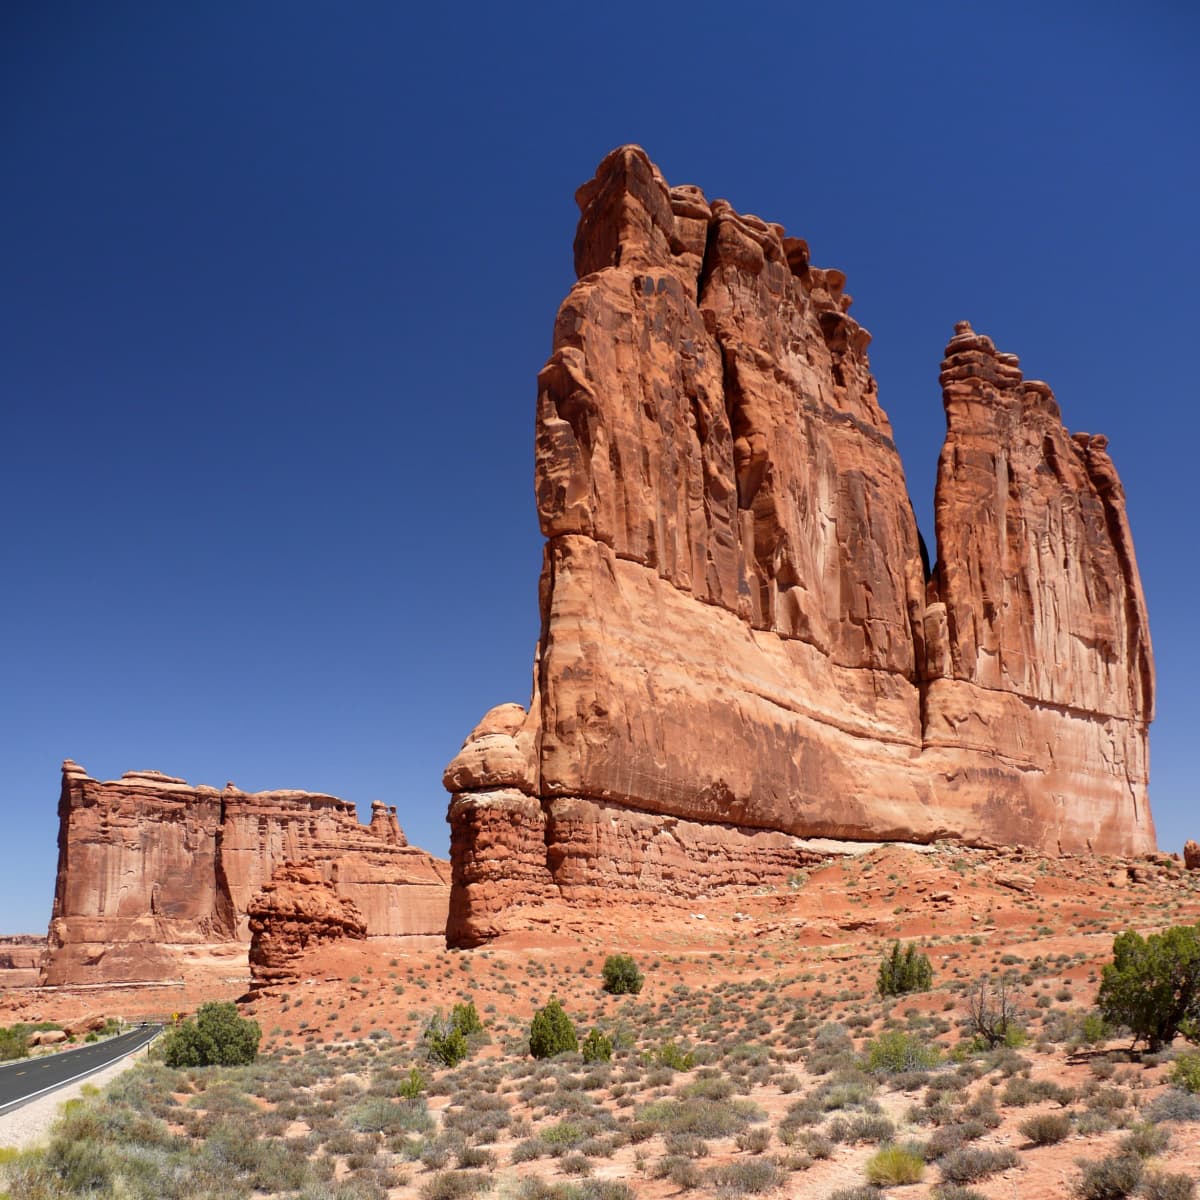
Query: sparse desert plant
x=413 y=1086
x=747 y=1177
x=1152 y=986
x=993 y=1011
x=904 y=969
x=894 y=1165
x=1110 y=1178
x=1174 y=1105
x=1145 y=1141
x=465 y=1018
x=896 y=1051
x=621 y=975
x=1166 y=1185
x=456 y=1185
x=973 y=1163
x=671 y=1055
x=596 y=1047
x=218 y=1036
x=1046 y=1129
x=551 y=1031
x=1185 y=1072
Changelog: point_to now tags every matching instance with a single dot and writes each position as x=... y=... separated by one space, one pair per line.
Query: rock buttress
x=737 y=639
x=155 y=877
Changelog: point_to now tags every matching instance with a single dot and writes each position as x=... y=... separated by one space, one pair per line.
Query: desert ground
x=750 y=1062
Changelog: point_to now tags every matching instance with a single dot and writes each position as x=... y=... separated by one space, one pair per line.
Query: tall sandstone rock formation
x=741 y=645
x=156 y=877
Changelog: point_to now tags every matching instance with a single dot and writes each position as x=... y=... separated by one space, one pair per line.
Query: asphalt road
x=28 y=1077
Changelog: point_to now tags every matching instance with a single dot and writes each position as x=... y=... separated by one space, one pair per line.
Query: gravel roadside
x=29 y=1125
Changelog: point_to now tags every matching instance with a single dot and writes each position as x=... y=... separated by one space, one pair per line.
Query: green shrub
x=465 y=1019
x=670 y=1055
x=894 y=1165
x=14 y=1042
x=904 y=969
x=413 y=1086
x=1145 y=1141
x=1153 y=985
x=896 y=1051
x=621 y=975
x=445 y=1043
x=551 y=1032
x=217 y=1037
x=597 y=1047
x=1185 y=1072
x=1110 y=1178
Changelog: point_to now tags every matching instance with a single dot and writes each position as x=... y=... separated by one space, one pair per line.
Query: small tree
x=904 y=970
x=465 y=1018
x=218 y=1036
x=1153 y=985
x=993 y=1012
x=551 y=1031
x=597 y=1047
x=621 y=975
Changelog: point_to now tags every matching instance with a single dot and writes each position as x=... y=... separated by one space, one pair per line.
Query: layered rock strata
x=154 y=874
x=742 y=644
x=296 y=910
x=20 y=959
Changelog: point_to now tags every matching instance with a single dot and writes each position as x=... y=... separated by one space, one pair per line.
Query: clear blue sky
x=278 y=278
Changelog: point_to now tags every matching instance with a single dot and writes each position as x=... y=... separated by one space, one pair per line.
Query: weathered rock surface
x=295 y=911
x=740 y=639
x=20 y=957
x=1191 y=855
x=154 y=874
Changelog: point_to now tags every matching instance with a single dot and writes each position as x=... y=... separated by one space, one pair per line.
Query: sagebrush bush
x=1165 y=1185
x=973 y=1163
x=621 y=975
x=1110 y=1178
x=904 y=969
x=1046 y=1129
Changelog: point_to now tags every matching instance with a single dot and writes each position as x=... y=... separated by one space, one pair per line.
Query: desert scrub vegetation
x=904 y=969
x=217 y=1036
x=895 y=1165
x=551 y=1031
x=621 y=975
x=1152 y=986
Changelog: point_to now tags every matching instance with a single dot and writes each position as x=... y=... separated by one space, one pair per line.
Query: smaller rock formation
x=20 y=955
x=1191 y=855
x=155 y=876
x=295 y=911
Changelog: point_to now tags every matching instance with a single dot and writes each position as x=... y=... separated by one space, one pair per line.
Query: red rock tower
x=739 y=648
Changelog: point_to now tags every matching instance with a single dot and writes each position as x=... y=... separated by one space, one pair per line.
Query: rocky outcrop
x=742 y=644
x=295 y=911
x=155 y=875
x=1191 y=855
x=20 y=957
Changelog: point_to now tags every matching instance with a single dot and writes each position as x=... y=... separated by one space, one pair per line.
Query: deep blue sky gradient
x=278 y=278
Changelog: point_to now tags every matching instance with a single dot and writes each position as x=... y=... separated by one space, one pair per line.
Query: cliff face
x=296 y=911
x=154 y=875
x=739 y=646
